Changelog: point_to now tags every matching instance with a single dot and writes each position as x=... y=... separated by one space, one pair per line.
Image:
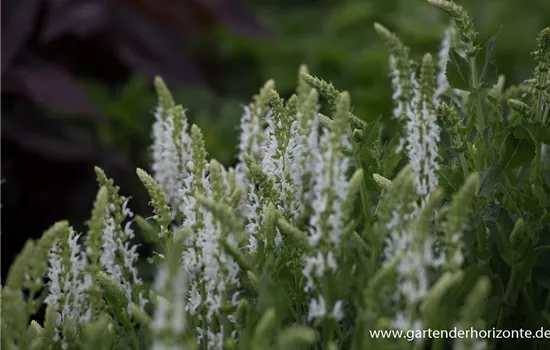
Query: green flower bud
x=236 y=254
x=381 y=181
x=70 y=336
x=384 y=323
x=326 y=89
x=140 y=316
x=18 y=269
x=474 y=305
x=447 y=282
x=242 y=313
x=544 y=39
x=325 y=121
x=357 y=135
x=165 y=99
x=96 y=225
x=292 y=232
x=252 y=279
x=229 y=344
x=522 y=108
x=519 y=239
x=462 y=20
x=222 y=212
x=50 y=324
x=159 y=204
x=427 y=82
x=296 y=336
x=199 y=154
x=355 y=183
x=264 y=328
x=303 y=90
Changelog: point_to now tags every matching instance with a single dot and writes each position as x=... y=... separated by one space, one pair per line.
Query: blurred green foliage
x=336 y=39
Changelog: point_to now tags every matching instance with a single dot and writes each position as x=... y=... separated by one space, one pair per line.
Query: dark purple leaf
x=233 y=14
x=78 y=18
x=47 y=144
x=152 y=49
x=49 y=86
x=18 y=22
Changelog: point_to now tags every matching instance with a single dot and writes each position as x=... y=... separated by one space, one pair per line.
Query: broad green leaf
x=489 y=73
x=458 y=71
x=489 y=180
x=451 y=178
x=532 y=130
x=515 y=153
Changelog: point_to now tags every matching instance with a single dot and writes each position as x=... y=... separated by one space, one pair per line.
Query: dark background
x=76 y=80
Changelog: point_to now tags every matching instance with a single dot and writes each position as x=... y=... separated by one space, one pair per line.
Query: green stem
x=475 y=84
x=329 y=336
x=539 y=102
x=545 y=114
x=464 y=165
x=364 y=192
x=509 y=290
x=538 y=151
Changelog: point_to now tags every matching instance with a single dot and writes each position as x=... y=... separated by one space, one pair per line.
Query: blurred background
x=77 y=74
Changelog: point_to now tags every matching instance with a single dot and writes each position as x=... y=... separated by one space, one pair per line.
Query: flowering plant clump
x=324 y=232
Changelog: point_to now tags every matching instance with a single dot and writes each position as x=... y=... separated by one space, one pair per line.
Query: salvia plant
x=324 y=231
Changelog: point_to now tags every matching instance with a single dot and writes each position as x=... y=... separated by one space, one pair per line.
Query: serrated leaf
x=515 y=152
x=371 y=133
x=450 y=178
x=489 y=180
x=532 y=130
x=458 y=71
x=489 y=73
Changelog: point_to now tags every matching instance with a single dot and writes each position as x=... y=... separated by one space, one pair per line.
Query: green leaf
x=371 y=133
x=489 y=180
x=390 y=158
x=503 y=246
x=532 y=130
x=458 y=71
x=515 y=152
x=489 y=73
x=493 y=308
x=451 y=178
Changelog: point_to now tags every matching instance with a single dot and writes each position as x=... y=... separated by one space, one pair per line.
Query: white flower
x=169 y=316
x=443 y=58
x=422 y=143
x=171 y=155
x=69 y=285
x=118 y=257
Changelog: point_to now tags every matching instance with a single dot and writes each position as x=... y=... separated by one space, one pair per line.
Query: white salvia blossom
x=330 y=184
x=401 y=106
x=69 y=285
x=209 y=269
x=422 y=143
x=169 y=315
x=287 y=165
x=171 y=153
x=252 y=141
x=118 y=258
x=416 y=265
x=443 y=58
x=330 y=191
x=300 y=159
x=255 y=217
